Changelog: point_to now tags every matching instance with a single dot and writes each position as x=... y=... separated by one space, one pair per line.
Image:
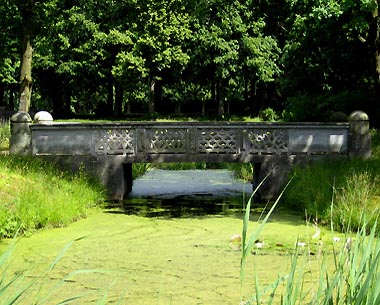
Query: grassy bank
x=351 y=187
x=35 y=195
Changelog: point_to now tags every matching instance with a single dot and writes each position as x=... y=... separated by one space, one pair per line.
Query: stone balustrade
x=188 y=142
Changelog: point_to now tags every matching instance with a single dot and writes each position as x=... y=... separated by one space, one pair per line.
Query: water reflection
x=185 y=206
x=187 y=193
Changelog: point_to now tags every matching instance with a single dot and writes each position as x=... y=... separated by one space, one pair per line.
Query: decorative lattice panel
x=263 y=141
x=222 y=141
x=114 y=142
x=163 y=140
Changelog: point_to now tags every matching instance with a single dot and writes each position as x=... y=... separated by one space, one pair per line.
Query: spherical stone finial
x=21 y=117
x=359 y=123
x=358 y=116
x=43 y=117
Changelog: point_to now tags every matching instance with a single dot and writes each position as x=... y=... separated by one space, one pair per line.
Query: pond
x=187 y=193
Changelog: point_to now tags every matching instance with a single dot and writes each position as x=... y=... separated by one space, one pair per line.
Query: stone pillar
x=128 y=179
x=359 y=145
x=277 y=168
x=21 y=137
x=114 y=174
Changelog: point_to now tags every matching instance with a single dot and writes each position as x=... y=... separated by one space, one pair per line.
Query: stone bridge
x=108 y=150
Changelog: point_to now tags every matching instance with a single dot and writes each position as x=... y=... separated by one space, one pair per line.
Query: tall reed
x=248 y=242
x=350 y=275
x=353 y=184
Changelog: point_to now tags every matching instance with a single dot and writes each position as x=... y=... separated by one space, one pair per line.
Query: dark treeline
x=302 y=59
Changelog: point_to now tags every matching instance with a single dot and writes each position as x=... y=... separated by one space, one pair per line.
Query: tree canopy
x=302 y=59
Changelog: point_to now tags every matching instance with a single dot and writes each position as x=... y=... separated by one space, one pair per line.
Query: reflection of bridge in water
x=108 y=150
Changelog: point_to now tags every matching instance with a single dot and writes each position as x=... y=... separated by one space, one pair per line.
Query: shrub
x=306 y=107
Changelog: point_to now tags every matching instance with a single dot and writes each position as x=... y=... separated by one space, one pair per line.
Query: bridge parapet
x=167 y=142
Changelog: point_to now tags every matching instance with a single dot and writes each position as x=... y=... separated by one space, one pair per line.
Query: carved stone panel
x=219 y=141
x=164 y=140
x=268 y=142
x=114 y=142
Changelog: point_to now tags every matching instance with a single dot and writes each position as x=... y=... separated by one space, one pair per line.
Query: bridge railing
x=141 y=142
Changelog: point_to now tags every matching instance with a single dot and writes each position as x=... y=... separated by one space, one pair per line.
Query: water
x=187 y=193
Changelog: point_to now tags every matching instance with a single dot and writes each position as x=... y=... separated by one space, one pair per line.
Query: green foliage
x=269 y=115
x=305 y=107
x=109 y=57
x=36 y=195
x=350 y=185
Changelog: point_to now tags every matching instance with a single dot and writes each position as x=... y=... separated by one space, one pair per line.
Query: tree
x=235 y=52
x=324 y=56
x=26 y=8
x=9 y=51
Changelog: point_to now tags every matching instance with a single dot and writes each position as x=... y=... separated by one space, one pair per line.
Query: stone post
x=21 y=137
x=359 y=145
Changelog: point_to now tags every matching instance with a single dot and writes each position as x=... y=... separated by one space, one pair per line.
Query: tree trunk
x=110 y=94
x=155 y=94
x=220 y=95
x=26 y=56
x=119 y=97
x=2 y=95
x=254 y=98
x=152 y=85
x=376 y=46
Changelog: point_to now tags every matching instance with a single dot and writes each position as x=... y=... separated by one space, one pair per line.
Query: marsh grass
x=139 y=169
x=350 y=275
x=35 y=195
x=353 y=185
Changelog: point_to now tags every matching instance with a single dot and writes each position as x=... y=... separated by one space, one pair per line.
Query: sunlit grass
x=35 y=194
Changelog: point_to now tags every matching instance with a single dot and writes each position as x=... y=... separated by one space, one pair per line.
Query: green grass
x=35 y=195
x=5 y=135
x=351 y=184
